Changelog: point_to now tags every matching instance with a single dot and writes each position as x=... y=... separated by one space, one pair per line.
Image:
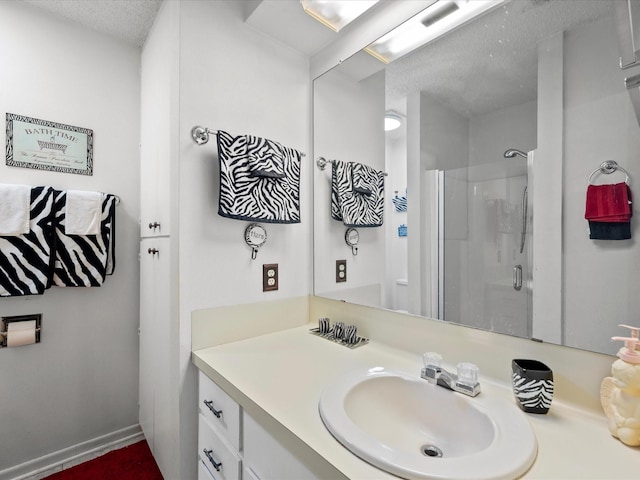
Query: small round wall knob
x=154 y=225
x=153 y=251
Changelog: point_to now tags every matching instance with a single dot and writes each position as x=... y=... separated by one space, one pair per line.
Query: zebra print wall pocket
x=532 y=385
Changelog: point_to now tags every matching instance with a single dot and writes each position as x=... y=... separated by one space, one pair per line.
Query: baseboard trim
x=68 y=457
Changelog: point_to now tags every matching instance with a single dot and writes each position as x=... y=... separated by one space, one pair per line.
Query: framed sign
x=44 y=145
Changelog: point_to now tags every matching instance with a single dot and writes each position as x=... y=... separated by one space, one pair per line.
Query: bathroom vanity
x=267 y=373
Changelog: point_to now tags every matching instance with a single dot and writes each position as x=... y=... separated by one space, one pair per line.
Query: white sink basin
x=400 y=423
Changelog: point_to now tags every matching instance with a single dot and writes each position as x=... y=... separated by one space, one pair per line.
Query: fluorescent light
x=433 y=22
x=335 y=14
x=392 y=121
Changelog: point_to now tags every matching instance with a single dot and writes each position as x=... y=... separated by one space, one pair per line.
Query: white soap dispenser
x=620 y=393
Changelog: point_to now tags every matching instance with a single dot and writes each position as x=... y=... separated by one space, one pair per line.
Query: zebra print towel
x=259 y=179
x=84 y=260
x=26 y=261
x=365 y=178
x=355 y=208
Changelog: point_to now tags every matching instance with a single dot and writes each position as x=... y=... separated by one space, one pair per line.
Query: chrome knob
x=154 y=225
x=153 y=251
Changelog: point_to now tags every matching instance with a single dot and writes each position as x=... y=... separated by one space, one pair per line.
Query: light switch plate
x=341 y=271
x=269 y=277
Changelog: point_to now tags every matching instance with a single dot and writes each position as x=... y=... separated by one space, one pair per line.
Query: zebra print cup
x=350 y=334
x=532 y=385
x=338 y=330
x=324 y=326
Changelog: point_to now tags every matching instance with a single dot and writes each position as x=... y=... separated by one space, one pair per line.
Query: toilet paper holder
x=5 y=321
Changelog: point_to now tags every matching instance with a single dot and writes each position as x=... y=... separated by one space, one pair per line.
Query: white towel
x=83 y=211
x=15 y=209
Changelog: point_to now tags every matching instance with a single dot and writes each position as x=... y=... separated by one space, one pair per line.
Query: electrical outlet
x=341 y=271
x=269 y=277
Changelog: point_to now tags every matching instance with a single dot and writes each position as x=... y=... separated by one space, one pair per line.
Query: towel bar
x=321 y=162
x=200 y=135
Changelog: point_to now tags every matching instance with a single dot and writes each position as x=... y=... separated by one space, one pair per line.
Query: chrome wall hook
x=351 y=238
x=255 y=236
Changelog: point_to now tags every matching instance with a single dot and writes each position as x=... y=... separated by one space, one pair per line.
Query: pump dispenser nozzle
x=629 y=353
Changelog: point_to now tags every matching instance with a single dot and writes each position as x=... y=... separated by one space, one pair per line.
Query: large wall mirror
x=504 y=122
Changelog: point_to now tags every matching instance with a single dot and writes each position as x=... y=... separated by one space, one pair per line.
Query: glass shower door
x=484 y=247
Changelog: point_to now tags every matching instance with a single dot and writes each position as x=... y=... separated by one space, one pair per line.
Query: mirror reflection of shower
x=483 y=257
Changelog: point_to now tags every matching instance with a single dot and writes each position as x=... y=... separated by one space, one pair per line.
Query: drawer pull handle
x=209 y=404
x=215 y=464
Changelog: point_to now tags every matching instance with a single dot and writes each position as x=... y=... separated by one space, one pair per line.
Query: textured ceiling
x=131 y=20
x=492 y=62
x=488 y=64
x=128 y=20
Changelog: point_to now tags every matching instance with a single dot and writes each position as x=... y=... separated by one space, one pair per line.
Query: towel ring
x=608 y=167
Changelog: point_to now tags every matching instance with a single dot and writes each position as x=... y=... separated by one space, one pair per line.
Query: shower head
x=512 y=152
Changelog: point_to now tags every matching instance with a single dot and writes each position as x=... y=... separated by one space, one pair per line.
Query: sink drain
x=431 y=451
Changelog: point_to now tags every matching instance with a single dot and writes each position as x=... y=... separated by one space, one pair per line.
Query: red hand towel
x=608 y=203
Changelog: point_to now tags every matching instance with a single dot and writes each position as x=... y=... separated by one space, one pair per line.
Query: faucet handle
x=468 y=373
x=432 y=358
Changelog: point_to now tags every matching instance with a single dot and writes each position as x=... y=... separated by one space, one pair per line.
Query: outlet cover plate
x=341 y=271
x=269 y=277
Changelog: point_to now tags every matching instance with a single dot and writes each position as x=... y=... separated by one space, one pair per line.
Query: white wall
x=236 y=79
x=81 y=381
x=348 y=126
x=492 y=133
x=601 y=278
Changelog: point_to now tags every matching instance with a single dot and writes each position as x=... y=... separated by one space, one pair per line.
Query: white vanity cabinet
x=229 y=436
x=268 y=459
x=219 y=431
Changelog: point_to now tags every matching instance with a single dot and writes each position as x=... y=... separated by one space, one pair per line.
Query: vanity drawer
x=248 y=474
x=227 y=415
x=213 y=448
x=203 y=472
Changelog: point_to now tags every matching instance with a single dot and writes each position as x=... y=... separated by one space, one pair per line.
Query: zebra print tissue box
x=532 y=385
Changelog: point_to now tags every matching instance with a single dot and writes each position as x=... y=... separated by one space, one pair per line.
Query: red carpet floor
x=134 y=462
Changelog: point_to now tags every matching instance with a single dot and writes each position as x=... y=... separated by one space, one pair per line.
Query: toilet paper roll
x=21 y=333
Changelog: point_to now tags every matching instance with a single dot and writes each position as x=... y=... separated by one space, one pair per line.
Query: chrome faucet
x=465 y=381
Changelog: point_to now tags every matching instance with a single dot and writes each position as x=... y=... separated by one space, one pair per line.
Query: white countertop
x=281 y=376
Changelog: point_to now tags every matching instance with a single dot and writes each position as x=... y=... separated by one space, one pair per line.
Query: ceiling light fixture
x=335 y=14
x=392 y=121
x=433 y=22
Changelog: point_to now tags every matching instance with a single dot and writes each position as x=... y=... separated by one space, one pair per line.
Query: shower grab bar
x=607 y=167
x=322 y=162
